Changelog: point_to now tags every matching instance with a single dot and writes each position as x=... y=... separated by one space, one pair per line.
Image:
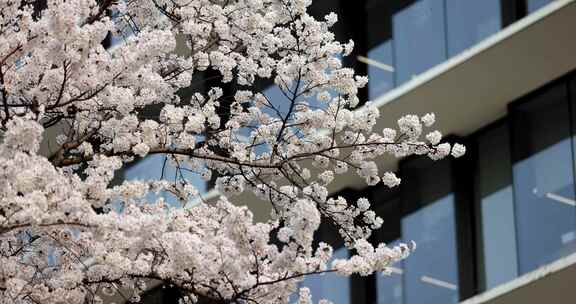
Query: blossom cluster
x=89 y=87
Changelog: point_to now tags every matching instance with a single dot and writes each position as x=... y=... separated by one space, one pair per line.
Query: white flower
x=141 y=149
x=458 y=150
x=434 y=137
x=363 y=204
x=341 y=167
x=429 y=119
x=86 y=149
x=243 y=96
x=22 y=134
x=100 y=110
x=304 y=296
x=442 y=150
x=368 y=168
x=410 y=126
x=390 y=179
x=284 y=234
x=331 y=18
x=389 y=135
x=326 y=177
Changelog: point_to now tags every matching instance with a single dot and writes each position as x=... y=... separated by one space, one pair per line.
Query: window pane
x=380 y=70
x=431 y=272
x=543 y=179
x=381 y=53
x=470 y=21
x=419 y=38
x=534 y=5
x=498 y=237
x=150 y=168
x=331 y=286
x=389 y=288
x=572 y=96
x=387 y=205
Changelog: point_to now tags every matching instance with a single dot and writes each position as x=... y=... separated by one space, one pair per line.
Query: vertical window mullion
x=463 y=188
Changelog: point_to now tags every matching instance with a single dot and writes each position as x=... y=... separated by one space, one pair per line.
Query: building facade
x=498 y=225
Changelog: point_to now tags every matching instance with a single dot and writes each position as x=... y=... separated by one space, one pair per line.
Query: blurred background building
x=498 y=225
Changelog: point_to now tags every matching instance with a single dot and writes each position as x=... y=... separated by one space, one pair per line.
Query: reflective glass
x=534 y=5
x=380 y=69
x=389 y=287
x=545 y=206
x=380 y=61
x=543 y=179
x=498 y=231
x=419 y=38
x=499 y=238
x=470 y=21
x=150 y=168
x=331 y=286
x=124 y=27
x=431 y=272
x=278 y=101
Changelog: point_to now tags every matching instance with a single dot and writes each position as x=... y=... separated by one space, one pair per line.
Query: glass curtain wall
x=471 y=21
x=387 y=204
x=525 y=204
x=543 y=177
x=405 y=38
x=380 y=59
x=430 y=275
x=422 y=211
x=534 y=5
x=389 y=288
x=408 y=37
x=419 y=31
x=496 y=231
x=330 y=286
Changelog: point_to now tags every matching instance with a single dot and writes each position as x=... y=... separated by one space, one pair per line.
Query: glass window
x=150 y=168
x=499 y=238
x=572 y=94
x=380 y=70
x=534 y=5
x=331 y=286
x=277 y=101
x=389 y=288
x=470 y=21
x=543 y=178
x=124 y=29
x=419 y=38
x=431 y=272
x=380 y=59
x=387 y=205
x=497 y=234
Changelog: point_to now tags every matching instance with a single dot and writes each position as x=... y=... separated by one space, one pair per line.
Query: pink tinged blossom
x=74 y=114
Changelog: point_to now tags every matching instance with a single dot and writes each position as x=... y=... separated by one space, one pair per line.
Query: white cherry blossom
x=184 y=79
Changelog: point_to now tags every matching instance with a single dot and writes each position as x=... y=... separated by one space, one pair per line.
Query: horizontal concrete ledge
x=473 y=89
x=553 y=283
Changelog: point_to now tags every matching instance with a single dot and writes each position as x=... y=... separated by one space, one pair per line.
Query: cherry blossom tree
x=70 y=234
